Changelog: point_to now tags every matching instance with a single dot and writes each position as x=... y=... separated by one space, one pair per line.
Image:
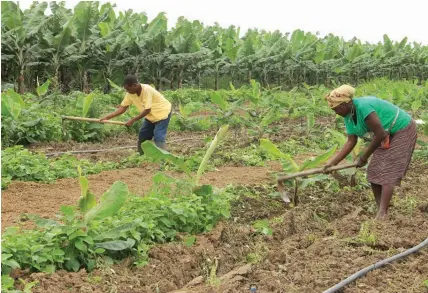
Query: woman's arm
x=346 y=150
x=375 y=126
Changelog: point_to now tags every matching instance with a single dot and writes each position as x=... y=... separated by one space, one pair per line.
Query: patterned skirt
x=388 y=167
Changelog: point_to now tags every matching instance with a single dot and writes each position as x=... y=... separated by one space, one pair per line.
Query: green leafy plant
x=158 y=154
x=263 y=227
x=19 y=163
x=290 y=166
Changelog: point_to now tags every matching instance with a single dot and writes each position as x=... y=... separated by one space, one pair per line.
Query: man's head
x=131 y=84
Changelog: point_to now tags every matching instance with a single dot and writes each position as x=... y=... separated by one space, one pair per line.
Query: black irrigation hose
x=377 y=265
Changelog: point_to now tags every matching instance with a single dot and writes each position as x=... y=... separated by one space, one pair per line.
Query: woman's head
x=340 y=99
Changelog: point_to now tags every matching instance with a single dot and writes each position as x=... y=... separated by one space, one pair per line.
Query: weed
x=263 y=227
x=367 y=234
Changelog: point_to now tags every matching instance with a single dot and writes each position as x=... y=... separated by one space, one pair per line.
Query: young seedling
x=290 y=166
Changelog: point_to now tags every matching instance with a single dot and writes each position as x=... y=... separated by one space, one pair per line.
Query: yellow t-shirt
x=149 y=98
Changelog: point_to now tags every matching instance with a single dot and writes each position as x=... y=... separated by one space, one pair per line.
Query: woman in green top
x=392 y=145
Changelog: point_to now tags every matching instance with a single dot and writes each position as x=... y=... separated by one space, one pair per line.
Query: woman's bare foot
x=381 y=215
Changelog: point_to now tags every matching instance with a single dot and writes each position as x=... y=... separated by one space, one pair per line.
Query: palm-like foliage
x=87 y=46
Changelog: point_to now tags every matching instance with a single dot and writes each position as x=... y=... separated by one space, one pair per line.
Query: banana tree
x=158 y=155
x=20 y=44
x=85 y=21
x=186 y=45
x=224 y=45
x=59 y=42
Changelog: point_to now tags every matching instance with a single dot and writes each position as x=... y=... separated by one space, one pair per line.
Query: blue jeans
x=157 y=130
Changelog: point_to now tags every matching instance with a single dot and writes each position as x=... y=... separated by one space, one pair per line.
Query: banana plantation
x=80 y=48
x=245 y=197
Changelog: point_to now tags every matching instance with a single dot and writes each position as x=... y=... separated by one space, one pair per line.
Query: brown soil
x=313 y=246
x=46 y=199
x=179 y=142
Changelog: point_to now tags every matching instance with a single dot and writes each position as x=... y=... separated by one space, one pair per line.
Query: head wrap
x=342 y=94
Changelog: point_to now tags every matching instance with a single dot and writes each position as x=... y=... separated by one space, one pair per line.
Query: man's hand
x=362 y=161
x=129 y=123
x=103 y=119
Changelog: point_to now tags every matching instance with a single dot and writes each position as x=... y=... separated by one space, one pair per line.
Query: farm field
x=256 y=238
x=82 y=211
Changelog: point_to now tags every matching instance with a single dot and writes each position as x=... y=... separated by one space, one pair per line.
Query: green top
x=384 y=109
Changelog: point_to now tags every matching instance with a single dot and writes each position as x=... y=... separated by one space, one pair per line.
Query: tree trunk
x=21 y=84
x=171 y=81
x=86 y=88
x=180 y=79
x=216 y=81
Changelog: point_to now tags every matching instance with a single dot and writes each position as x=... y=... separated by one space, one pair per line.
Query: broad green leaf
x=115 y=86
x=91 y=264
x=116 y=232
x=7 y=282
x=217 y=99
x=100 y=250
x=111 y=202
x=189 y=241
x=158 y=154
x=11 y=263
x=58 y=251
x=45 y=223
x=5 y=256
x=104 y=28
x=11 y=104
x=268 y=146
x=354 y=52
x=87 y=200
x=310 y=121
x=77 y=233
x=80 y=245
x=315 y=162
x=116 y=245
x=72 y=264
x=214 y=143
x=43 y=89
x=203 y=190
x=87 y=101
x=49 y=269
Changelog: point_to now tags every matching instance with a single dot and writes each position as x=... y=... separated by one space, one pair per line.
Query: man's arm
x=138 y=117
x=118 y=112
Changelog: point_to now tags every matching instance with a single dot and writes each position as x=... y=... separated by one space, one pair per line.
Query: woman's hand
x=327 y=166
x=361 y=162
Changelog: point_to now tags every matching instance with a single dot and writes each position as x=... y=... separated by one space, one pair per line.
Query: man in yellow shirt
x=152 y=105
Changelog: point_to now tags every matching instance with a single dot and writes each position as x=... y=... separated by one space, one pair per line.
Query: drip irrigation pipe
x=377 y=265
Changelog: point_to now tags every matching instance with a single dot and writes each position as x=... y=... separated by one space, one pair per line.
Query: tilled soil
x=314 y=245
x=46 y=199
